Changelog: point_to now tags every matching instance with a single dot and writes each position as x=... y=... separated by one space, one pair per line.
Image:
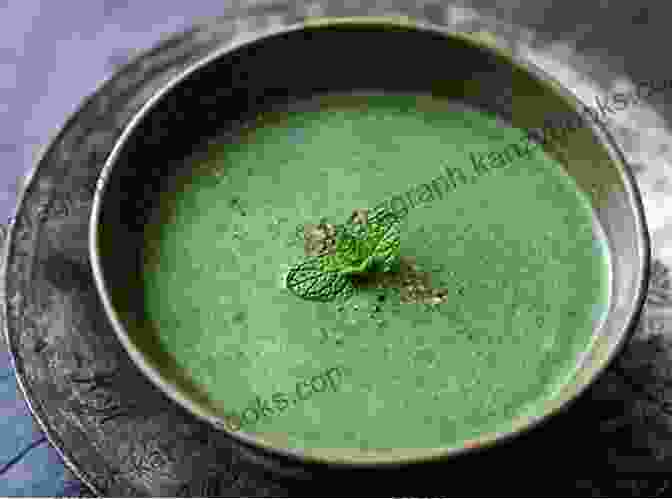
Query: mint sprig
x=359 y=248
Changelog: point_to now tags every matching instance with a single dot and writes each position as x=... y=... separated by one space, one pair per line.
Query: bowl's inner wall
x=301 y=63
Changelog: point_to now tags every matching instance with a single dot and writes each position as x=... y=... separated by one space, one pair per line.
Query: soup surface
x=507 y=235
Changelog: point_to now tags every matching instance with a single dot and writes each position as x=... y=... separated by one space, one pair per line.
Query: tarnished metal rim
x=9 y=235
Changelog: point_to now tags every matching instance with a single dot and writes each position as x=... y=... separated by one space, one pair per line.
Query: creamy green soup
x=511 y=239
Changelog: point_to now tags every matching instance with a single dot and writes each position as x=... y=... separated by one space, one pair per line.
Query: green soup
x=512 y=239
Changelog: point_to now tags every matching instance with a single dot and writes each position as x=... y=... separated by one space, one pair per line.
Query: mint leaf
x=307 y=280
x=359 y=248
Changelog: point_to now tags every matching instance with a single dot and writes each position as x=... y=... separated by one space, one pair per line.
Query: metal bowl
x=350 y=54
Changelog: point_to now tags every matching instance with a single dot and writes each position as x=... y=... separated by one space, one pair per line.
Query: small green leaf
x=388 y=244
x=307 y=280
x=359 y=247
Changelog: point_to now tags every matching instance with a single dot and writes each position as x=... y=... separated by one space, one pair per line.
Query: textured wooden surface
x=124 y=438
